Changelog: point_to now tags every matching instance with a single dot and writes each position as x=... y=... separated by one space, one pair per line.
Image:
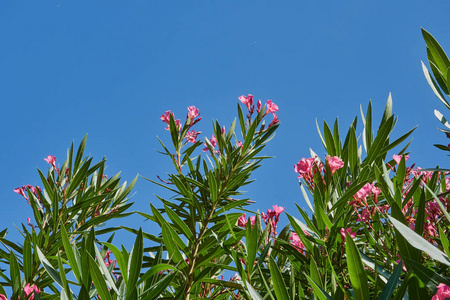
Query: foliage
x=440 y=84
x=374 y=226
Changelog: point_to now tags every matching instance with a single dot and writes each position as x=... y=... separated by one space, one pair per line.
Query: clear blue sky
x=111 y=68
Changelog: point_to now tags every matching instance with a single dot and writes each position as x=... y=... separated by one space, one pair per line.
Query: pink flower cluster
x=213 y=142
x=308 y=167
x=272 y=217
x=271 y=108
x=348 y=231
x=192 y=118
x=296 y=242
x=30 y=290
x=442 y=293
x=21 y=191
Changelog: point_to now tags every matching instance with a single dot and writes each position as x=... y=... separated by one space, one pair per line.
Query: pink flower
x=191 y=136
x=345 y=231
x=296 y=242
x=258 y=106
x=335 y=163
x=271 y=107
x=165 y=117
x=29 y=289
x=252 y=220
x=398 y=158
x=276 y=212
x=247 y=101
x=213 y=142
x=51 y=160
x=20 y=191
x=3 y=297
x=274 y=121
x=304 y=166
x=443 y=292
x=242 y=221
x=264 y=217
x=192 y=113
x=239 y=144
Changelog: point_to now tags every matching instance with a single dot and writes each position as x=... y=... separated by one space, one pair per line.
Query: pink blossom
x=442 y=293
x=21 y=192
x=191 y=136
x=3 y=297
x=247 y=101
x=364 y=191
x=271 y=107
x=264 y=217
x=296 y=242
x=258 y=106
x=29 y=289
x=345 y=231
x=192 y=113
x=165 y=117
x=398 y=158
x=252 y=220
x=276 y=212
x=239 y=144
x=335 y=163
x=51 y=160
x=304 y=166
x=242 y=221
x=274 y=121
x=213 y=142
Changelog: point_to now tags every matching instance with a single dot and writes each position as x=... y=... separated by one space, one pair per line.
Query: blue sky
x=109 y=69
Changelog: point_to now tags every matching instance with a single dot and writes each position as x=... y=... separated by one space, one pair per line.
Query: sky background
x=109 y=69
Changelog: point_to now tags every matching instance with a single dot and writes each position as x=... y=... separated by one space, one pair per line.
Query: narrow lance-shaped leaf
x=420 y=243
x=135 y=262
x=98 y=279
x=356 y=270
x=278 y=283
x=392 y=283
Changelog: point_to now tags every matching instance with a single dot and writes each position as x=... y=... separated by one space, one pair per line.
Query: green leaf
x=253 y=293
x=15 y=273
x=437 y=52
x=70 y=253
x=179 y=223
x=420 y=243
x=368 y=127
x=314 y=272
x=444 y=241
x=49 y=268
x=392 y=283
x=66 y=292
x=388 y=110
x=135 y=263
x=430 y=278
x=320 y=293
x=441 y=118
x=104 y=270
x=155 y=270
x=356 y=270
x=27 y=259
x=278 y=283
x=79 y=155
x=252 y=244
x=157 y=290
x=99 y=281
x=171 y=246
x=434 y=86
